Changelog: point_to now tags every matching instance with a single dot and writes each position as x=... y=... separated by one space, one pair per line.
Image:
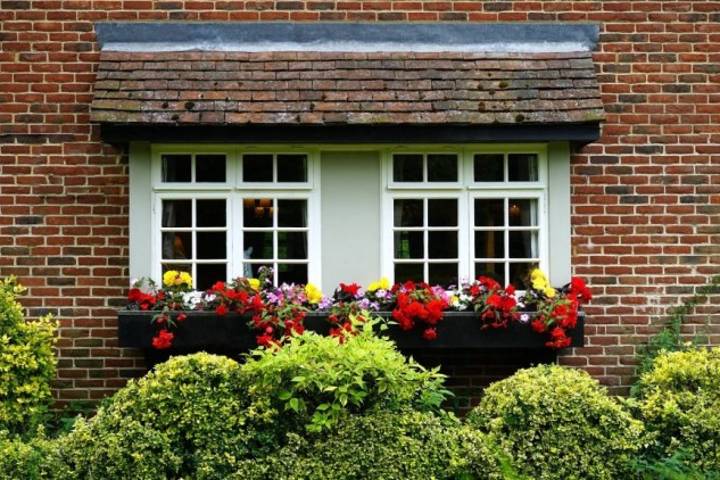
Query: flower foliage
x=279 y=312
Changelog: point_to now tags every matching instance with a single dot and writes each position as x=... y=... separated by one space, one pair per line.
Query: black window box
x=210 y=332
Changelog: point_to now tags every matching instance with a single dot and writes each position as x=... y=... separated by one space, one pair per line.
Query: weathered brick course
x=644 y=235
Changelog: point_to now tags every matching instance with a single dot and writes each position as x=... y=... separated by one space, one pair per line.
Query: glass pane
x=443 y=212
x=258 y=212
x=490 y=244
x=488 y=167
x=252 y=270
x=292 y=168
x=177 y=213
x=258 y=245
x=292 y=245
x=442 y=167
x=408 y=213
x=520 y=274
x=208 y=274
x=523 y=167
x=408 y=168
x=496 y=271
x=292 y=273
x=292 y=213
x=408 y=271
x=444 y=274
x=523 y=212
x=489 y=212
x=523 y=245
x=210 y=168
x=211 y=245
x=409 y=244
x=176 y=168
x=442 y=244
x=176 y=245
x=257 y=168
x=211 y=213
x=179 y=267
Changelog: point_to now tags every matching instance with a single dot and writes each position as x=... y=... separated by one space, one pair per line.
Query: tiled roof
x=319 y=88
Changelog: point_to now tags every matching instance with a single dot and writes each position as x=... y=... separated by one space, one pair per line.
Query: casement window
x=440 y=214
x=220 y=213
x=455 y=215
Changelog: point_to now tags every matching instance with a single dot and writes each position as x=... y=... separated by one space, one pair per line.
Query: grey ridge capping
x=347 y=37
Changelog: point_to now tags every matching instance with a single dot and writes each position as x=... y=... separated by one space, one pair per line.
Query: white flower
x=524 y=318
x=133 y=282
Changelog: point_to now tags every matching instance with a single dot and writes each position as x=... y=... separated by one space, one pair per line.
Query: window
x=222 y=214
x=458 y=215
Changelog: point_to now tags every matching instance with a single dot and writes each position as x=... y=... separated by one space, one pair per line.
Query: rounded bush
x=558 y=423
x=379 y=446
x=37 y=459
x=187 y=415
x=679 y=402
x=27 y=363
x=313 y=381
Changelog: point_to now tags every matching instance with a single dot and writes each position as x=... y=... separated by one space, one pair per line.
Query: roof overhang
x=347 y=82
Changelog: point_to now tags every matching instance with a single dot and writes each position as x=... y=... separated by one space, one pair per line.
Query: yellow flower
x=173 y=278
x=539 y=284
x=539 y=280
x=314 y=295
x=185 y=278
x=169 y=278
x=382 y=284
x=550 y=292
x=454 y=300
x=254 y=283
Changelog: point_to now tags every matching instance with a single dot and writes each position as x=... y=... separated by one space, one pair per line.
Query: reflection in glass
x=523 y=167
x=176 y=245
x=258 y=245
x=292 y=245
x=488 y=167
x=408 y=212
x=523 y=212
x=523 y=244
x=489 y=212
x=176 y=168
x=257 y=212
x=177 y=213
x=408 y=244
x=490 y=244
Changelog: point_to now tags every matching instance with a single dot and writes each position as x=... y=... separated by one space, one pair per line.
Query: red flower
x=510 y=289
x=430 y=334
x=538 y=325
x=218 y=287
x=494 y=300
x=163 y=340
x=558 y=339
x=265 y=340
x=488 y=283
x=221 y=310
x=351 y=289
x=181 y=317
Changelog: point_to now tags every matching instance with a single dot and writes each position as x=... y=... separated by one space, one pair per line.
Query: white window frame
x=235 y=191
x=466 y=190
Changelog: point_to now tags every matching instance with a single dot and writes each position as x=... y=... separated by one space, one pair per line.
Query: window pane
x=496 y=271
x=177 y=213
x=488 y=167
x=409 y=244
x=444 y=274
x=408 y=271
x=443 y=212
x=520 y=273
x=408 y=213
x=176 y=168
x=211 y=213
x=408 y=168
x=258 y=245
x=489 y=212
x=210 y=168
x=292 y=213
x=490 y=244
x=292 y=245
x=258 y=212
x=252 y=270
x=442 y=244
x=179 y=267
x=292 y=168
x=176 y=245
x=208 y=274
x=257 y=168
x=442 y=168
x=211 y=245
x=523 y=245
x=292 y=273
x=523 y=167
x=523 y=212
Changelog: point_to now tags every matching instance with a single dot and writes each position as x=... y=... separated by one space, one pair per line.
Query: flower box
x=208 y=331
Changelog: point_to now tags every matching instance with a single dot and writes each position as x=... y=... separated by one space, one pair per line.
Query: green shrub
x=186 y=415
x=36 y=459
x=679 y=401
x=558 y=423
x=27 y=363
x=379 y=446
x=313 y=381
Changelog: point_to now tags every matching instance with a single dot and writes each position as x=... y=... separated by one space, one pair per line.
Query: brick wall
x=646 y=197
